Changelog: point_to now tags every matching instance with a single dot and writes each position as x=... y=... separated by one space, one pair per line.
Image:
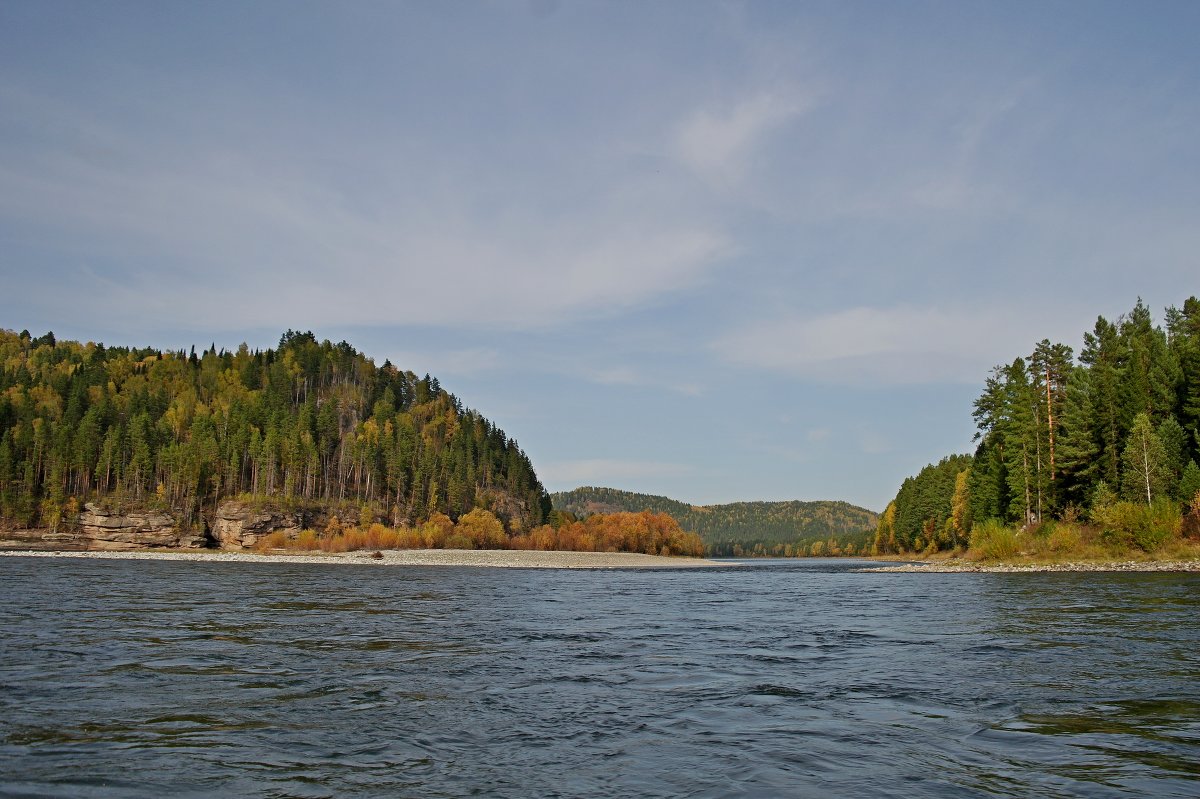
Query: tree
x=1050 y=365
x=1145 y=471
x=1078 y=447
x=1020 y=429
x=885 y=532
x=1175 y=446
x=483 y=529
x=1101 y=353
x=960 y=510
x=1189 y=484
x=1151 y=368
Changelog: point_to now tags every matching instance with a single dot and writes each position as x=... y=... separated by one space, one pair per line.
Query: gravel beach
x=1107 y=566
x=511 y=559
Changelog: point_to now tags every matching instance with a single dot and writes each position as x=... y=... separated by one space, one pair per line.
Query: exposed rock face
x=100 y=528
x=105 y=529
x=238 y=525
x=41 y=539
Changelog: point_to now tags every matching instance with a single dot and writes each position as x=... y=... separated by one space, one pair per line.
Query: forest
x=1104 y=444
x=307 y=421
x=742 y=529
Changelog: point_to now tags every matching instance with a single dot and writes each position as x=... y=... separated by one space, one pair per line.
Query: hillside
x=311 y=423
x=749 y=527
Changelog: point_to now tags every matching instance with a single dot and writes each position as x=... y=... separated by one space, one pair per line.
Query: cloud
x=213 y=228
x=717 y=142
x=604 y=471
x=883 y=346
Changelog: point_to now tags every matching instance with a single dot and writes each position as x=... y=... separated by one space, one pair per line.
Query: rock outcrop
x=101 y=528
x=238 y=525
x=235 y=526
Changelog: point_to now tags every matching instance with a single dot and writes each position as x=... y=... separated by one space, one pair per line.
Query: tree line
x=306 y=421
x=778 y=529
x=1066 y=438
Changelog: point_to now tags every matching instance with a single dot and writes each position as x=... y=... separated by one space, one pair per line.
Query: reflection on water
x=768 y=679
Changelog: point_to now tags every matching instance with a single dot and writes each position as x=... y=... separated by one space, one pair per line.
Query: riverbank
x=507 y=558
x=958 y=565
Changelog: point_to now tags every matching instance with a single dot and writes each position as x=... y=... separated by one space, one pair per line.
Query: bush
x=1191 y=522
x=1132 y=524
x=458 y=541
x=991 y=540
x=1064 y=538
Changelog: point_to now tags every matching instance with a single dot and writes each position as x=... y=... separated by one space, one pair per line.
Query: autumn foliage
x=647 y=532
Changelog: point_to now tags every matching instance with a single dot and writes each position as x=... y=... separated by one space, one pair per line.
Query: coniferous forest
x=1105 y=443
x=307 y=421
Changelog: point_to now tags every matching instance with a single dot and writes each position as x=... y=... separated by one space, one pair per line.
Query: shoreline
x=484 y=558
x=970 y=567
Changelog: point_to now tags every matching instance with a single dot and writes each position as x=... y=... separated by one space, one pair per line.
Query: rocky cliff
x=102 y=528
x=238 y=525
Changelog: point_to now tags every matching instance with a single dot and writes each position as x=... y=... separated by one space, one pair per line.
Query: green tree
x=1189 y=484
x=1145 y=474
x=1050 y=367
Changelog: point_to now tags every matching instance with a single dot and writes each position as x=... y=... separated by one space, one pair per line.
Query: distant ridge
x=761 y=527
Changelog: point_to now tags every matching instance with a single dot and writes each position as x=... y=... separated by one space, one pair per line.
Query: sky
x=718 y=251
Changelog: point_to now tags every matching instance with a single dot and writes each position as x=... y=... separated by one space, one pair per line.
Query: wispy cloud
x=423 y=240
x=717 y=141
x=882 y=346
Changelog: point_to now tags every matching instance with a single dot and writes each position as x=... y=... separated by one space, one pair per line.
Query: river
x=788 y=678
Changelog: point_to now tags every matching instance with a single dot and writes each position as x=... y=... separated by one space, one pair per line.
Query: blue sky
x=718 y=251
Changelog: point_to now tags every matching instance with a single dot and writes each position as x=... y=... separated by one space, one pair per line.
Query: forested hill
x=771 y=528
x=307 y=421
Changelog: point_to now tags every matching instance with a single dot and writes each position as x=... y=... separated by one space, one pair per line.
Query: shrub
x=274 y=540
x=1133 y=524
x=1064 y=538
x=991 y=540
x=458 y=541
x=1191 y=522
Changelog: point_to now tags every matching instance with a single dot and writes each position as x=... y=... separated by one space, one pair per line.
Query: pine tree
x=1050 y=366
x=1020 y=430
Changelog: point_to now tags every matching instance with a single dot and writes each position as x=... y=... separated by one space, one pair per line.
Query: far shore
x=966 y=566
x=499 y=558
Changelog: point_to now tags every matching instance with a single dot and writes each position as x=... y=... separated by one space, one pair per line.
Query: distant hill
x=746 y=527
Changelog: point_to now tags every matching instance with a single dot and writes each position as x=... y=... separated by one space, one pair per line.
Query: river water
x=796 y=678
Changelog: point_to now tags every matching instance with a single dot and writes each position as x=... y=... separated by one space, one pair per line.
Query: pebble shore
x=945 y=567
x=510 y=559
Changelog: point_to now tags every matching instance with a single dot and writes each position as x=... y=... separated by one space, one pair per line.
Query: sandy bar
x=951 y=566
x=510 y=559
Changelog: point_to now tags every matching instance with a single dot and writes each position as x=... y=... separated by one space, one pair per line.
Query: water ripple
x=150 y=678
